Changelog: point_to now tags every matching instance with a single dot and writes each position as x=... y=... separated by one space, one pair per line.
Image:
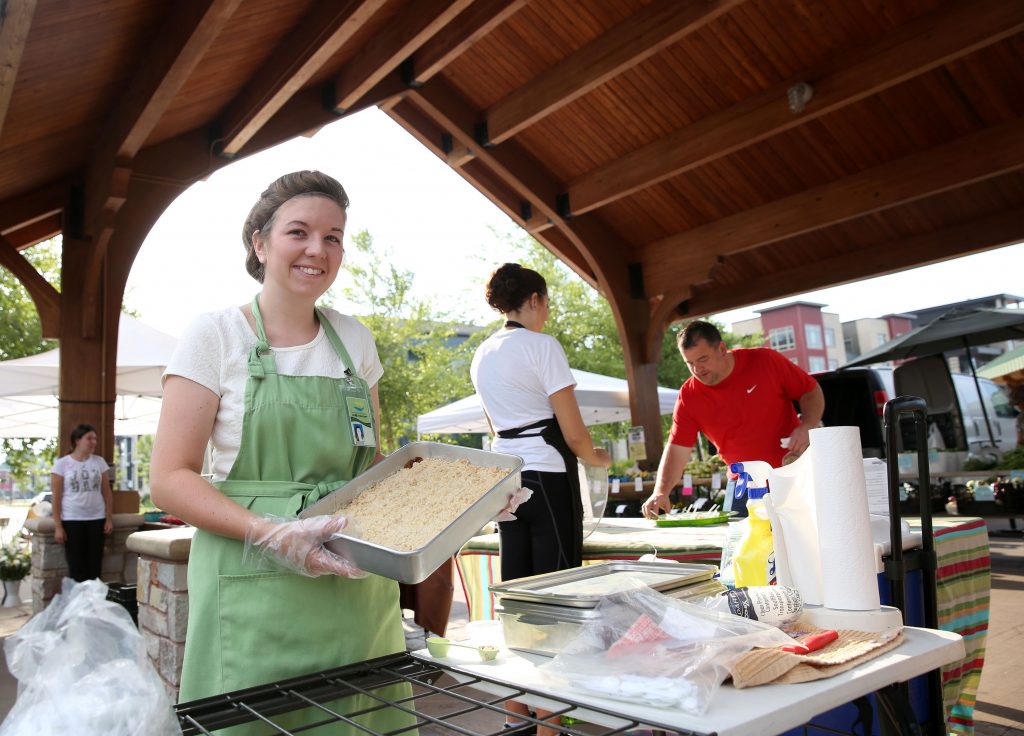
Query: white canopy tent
x=36 y=416
x=142 y=355
x=29 y=386
x=602 y=399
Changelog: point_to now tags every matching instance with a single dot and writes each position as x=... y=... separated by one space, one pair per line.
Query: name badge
x=360 y=418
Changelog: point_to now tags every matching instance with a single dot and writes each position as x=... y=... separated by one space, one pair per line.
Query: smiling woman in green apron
x=286 y=392
x=528 y=394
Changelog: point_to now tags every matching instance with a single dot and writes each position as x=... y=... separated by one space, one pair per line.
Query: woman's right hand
x=59 y=535
x=297 y=545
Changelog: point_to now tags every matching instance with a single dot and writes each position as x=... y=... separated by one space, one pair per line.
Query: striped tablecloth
x=963 y=589
x=963 y=583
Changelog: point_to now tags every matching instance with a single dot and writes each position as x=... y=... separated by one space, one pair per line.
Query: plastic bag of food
x=82 y=668
x=645 y=647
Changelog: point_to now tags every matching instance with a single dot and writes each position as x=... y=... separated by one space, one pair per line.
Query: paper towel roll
x=848 y=578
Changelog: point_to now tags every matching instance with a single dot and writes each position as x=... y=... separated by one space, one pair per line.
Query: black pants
x=542 y=538
x=84 y=548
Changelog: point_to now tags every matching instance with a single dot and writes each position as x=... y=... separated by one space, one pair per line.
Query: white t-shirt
x=214 y=352
x=82 y=498
x=515 y=372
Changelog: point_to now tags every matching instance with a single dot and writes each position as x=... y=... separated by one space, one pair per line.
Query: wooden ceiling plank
x=399 y=40
x=44 y=296
x=15 y=21
x=472 y=24
x=985 y=233
x=911 y=50
x=300 y=55
x=624 y=46
x=981 y=155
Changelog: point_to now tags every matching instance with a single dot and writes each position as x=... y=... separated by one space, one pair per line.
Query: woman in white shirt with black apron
x=528 y=393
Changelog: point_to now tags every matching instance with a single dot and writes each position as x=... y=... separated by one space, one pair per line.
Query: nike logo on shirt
x=750 y=390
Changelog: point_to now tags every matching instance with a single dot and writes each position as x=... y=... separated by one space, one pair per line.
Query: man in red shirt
x=742 y=400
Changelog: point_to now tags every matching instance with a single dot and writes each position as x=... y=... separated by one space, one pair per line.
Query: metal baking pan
x=583 y=587
x=540 y=628
x=414 y=566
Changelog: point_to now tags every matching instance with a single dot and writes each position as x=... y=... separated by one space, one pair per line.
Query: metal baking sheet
x=414 y=566
x=541 y=628
x=583 y=587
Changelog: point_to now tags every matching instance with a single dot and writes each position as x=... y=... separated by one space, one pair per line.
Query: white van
x=855 y=397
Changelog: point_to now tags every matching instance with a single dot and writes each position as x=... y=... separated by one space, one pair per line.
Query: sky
x=428 y=220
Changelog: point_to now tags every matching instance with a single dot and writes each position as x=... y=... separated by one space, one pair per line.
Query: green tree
x=20 y=332
x=20 y=336
x=424 y=368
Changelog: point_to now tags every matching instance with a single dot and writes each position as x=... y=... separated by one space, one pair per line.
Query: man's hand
x=655 y=505
x=799 y=441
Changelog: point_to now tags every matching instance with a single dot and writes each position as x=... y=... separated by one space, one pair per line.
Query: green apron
x=247 y=627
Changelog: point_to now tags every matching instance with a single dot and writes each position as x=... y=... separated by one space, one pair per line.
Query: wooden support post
x=88 y=364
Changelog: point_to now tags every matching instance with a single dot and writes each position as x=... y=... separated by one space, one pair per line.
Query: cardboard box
x=126 y=502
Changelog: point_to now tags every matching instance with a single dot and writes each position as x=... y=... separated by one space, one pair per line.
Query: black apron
x=551 y=433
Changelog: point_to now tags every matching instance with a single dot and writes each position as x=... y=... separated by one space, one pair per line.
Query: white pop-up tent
x=29 y=386
x=602 y=399
x=37 y=416
x=142 y=355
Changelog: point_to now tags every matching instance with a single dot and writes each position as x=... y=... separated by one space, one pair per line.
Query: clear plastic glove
x=519 y=497
x=296 y=545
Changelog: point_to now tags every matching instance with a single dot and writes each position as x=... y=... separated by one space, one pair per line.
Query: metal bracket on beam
x=407 y=70
x=683 y=308
x=481 y=135
x=563 y=207
x=636 y=281
x=329 y=100
x=447 y=143
x=216 y=136
x=525 y=210
x=73 y=217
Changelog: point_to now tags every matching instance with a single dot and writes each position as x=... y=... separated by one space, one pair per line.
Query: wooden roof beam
x=472 y=24
x=304 y=50
x=25 y=209
x=639 y=37
x=436 y=140
x=985 y=233
x=44 y=296
x=36 y=231
x=189 y=31
x=911 y=50
x=15 y=20
x=982 y=155
x=404 y=35
x=517 y=168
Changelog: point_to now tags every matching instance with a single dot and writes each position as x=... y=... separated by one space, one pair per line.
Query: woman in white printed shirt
x=82 y=503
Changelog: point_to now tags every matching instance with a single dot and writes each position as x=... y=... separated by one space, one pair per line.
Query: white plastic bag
x=643 y=646
x=81 y=667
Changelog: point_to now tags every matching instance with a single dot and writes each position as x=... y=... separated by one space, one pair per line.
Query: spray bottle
x=754 y=557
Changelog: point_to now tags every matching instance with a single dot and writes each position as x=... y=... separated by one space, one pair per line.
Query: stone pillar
x=49 y=566
x=162 y=594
